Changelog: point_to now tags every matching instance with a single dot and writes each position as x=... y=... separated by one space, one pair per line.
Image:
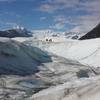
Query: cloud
x=42 y=18
x=81 y=22
x=85 y=23
x=64 y=19
x=57 y=26
x=8 y=23
x=7 y=0
x=54 y=5
x=10 y=13
x=92 y=6
x=11 y=24
x=83 y=15
x=60 y=22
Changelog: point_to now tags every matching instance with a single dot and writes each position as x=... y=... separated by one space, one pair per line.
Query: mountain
x=16 y=32
x=72 y=35
x=41 y=34
x=95 y=33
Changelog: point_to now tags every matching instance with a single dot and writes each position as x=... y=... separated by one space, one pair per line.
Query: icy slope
x=42 y=70
x=47 y=76
x=17 y=58
x=80 y=89
x=50 y=75
x=85 y=51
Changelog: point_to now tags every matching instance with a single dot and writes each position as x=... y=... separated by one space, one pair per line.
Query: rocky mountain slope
x=95 y=33
x=16 y=32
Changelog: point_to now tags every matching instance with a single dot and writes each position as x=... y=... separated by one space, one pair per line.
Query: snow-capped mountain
x=37 y=34
x=15 y=32
x=40 y=34
x=72 y=35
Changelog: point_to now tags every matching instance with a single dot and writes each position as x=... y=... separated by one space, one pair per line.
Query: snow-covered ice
x=86 y=51
x=61 y=69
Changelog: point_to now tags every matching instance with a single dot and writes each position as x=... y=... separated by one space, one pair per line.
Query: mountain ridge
x=15 y=32
x=94 y=33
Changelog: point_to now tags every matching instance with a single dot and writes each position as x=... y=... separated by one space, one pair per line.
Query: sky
x=58 y=15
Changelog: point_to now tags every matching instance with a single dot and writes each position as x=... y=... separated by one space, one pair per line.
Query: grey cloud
x=54 y=5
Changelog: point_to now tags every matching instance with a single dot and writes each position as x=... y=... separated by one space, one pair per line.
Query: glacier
x=85 y=51
x=62 y=69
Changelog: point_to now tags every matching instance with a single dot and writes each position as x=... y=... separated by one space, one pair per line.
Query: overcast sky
x=59 y=15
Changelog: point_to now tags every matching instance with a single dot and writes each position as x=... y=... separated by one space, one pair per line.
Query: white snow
x=41 y=34
x=55 y=39
x=20 y=39
x=85 y=51
x=3 y=39
x=85 y=87
x=57 y=74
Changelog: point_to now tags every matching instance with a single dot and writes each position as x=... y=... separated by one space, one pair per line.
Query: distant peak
x=19 y=27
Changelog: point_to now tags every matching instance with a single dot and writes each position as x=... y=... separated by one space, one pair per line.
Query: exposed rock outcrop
x=94 y=33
